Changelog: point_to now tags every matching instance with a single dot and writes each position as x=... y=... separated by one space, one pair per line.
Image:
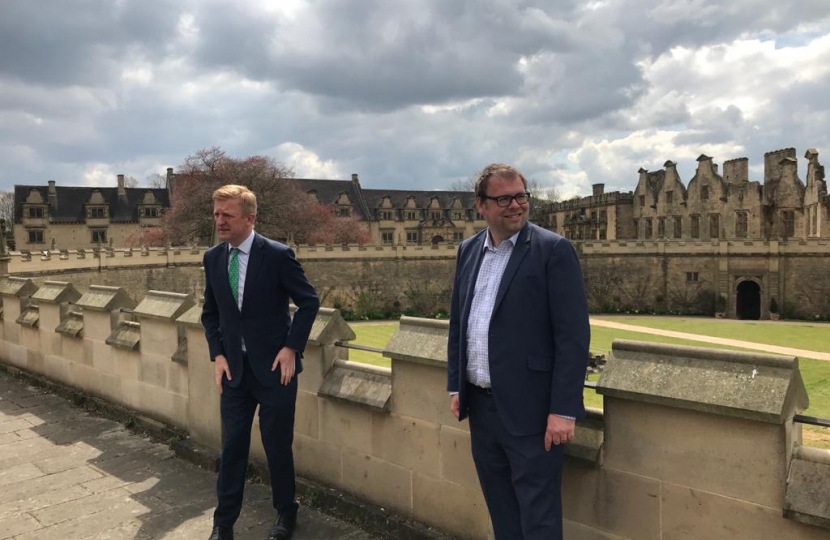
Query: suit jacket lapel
x=519 y=251
x=254 y=265
x=475 y=259
x=222 y=262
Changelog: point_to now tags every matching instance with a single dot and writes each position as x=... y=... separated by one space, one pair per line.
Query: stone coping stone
x=589 y=437
x=56 y=292
x=328 y=327
x=16 y=286
x=29 y=316
x=423 y=341
x=192 y=317
x=72 y=325
x=362 y=384
x=126 y=335
x=808 y=487
x=164 y=305
x=105 y=298
x=753 y=386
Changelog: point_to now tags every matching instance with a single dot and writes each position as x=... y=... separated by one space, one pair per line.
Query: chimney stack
x=599 y=189
x=355 y=179
x=122 y=193
x=53 y=194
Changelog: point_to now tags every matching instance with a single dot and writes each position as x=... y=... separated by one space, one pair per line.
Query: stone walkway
x=763 y=347
x=68 y=475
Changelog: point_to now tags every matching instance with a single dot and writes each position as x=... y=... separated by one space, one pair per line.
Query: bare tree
x=538 y=192
x=7 y=207
x=156 y=180
x=465 y=184
x=131 y=182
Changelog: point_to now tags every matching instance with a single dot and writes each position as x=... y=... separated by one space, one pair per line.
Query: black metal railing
x=812 y=420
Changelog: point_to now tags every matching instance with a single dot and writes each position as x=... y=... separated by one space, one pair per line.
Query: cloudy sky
x=409 y=94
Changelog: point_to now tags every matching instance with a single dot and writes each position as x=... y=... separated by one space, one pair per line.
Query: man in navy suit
x=517 y=355
x=257 y=349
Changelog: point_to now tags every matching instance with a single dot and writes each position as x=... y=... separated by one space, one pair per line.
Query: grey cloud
x=69 y=42
x=370 y=56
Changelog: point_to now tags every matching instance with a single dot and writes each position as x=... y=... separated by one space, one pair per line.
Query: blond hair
x=246 y=197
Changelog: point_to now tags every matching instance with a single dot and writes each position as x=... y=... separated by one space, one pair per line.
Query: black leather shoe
x=221 y=533
x=283 y=527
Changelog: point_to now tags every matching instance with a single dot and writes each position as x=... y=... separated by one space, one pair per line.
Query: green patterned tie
x=233 y=274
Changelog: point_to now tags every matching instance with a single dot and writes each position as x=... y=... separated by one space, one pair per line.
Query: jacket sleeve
x=303 y=295
x=568 y=308
x=210 y=315
x=454 y=337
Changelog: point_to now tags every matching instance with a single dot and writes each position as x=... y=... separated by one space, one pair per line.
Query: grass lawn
x=816 y=373
x=809 y=336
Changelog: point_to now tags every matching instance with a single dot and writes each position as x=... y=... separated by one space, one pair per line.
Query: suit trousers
x=521 y=482
x=276 y=423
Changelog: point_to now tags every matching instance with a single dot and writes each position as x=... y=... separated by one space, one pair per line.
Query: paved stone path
x=68 y=475
x=775 y=349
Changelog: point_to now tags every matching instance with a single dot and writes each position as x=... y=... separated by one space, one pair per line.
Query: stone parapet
x=56 y=292
x=104 y=298
x=808 y=488
x=16 y=286
x=162 y=305
x=419 y=340
x=691 y=443
x=755 y=386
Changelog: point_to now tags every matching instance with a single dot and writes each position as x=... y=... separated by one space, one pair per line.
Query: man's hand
x=560 y=431
x=286 y=360
x=220 y=368
x=454 y=406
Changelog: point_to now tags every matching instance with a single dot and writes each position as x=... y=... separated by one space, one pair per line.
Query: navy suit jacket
x=539 y=332
x=273 y=276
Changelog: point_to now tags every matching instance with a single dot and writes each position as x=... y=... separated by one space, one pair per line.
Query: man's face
x=507 y=221
x=231 y=225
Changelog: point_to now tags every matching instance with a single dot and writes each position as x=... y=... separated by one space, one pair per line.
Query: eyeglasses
x=505 y=200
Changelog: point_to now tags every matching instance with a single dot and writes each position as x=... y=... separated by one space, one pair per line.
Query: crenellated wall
x=692 y=443
x=670 y=275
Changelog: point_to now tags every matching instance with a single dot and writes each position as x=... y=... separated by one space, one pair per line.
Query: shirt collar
x=488 y=243
x=245 y=246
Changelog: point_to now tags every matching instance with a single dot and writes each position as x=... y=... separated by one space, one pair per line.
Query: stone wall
x=681 y=451
x=676 y=276
x=394 y=278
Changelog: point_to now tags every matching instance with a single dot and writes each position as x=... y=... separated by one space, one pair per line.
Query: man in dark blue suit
x=517 y=355
x=257 y=349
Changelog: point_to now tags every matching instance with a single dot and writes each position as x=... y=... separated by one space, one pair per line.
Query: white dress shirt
x=244 y=252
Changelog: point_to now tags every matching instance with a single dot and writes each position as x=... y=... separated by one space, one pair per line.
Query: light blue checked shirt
x=484 y=299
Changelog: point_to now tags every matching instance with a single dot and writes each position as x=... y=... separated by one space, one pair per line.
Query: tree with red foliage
x=146 y=237
x=329 y=229
x=284 y=211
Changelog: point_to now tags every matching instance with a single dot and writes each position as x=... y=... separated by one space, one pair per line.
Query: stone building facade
x=52 y=216
x=602 y=216
x=722 y=243
x=392 y=216
x=713 y=206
